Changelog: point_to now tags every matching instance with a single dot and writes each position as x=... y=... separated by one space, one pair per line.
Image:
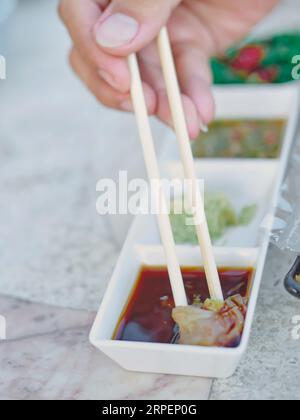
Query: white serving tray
x=221 y=176
x=245 y=182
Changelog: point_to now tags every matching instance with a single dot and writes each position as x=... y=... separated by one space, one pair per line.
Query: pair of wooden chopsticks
x=194 y=194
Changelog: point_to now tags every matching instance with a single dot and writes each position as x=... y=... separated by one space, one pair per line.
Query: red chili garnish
x=249 y=58
x=271 y=138
x=267 y=75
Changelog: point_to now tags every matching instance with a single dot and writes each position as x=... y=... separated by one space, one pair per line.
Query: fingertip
x=206 y=106
x=190 y=112
x=201 y=94
x=192 y=117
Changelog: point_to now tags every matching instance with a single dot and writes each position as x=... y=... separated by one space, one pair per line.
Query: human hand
x=105 y=32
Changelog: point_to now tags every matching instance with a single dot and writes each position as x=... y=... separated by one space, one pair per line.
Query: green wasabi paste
x=220 y=215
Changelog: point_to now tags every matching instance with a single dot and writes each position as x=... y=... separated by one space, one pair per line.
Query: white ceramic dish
x=257 y=102
x=164 y=358
x=220 y=176
x=256 y=180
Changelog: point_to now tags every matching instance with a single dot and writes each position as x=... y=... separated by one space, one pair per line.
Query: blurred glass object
x=286 y=228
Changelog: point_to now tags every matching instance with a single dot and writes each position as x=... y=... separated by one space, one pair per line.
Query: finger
x=152 y=74
x=104 y=92
x=80 y=17
x=195 y=78
x=191 y=115
x=127 y=26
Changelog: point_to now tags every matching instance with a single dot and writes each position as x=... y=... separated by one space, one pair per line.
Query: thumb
x=127 y=26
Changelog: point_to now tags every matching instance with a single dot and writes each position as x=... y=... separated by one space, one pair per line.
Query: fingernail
x=127 y=105
x=203 y=127
x=116 y=31
x=108 y=78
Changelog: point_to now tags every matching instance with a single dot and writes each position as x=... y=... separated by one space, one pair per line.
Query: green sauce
x=241 y=139
x=220 y=215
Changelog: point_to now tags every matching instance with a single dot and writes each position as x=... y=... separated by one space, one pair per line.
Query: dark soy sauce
x=147 y=316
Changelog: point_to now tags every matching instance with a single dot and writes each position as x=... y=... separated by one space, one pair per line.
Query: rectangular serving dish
x=257 y=180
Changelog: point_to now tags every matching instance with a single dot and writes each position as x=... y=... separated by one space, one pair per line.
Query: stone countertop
x=57 y=255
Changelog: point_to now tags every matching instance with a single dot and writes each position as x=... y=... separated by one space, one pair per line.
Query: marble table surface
x=57 y=254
